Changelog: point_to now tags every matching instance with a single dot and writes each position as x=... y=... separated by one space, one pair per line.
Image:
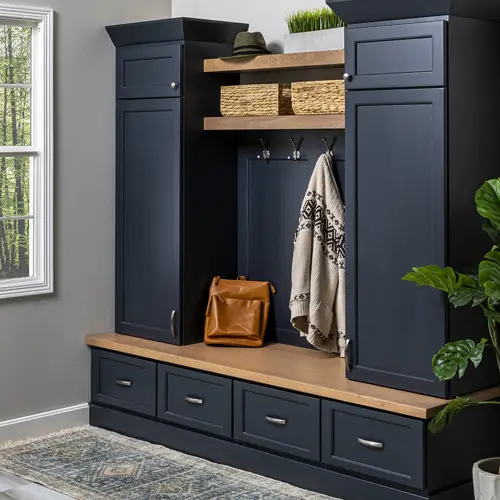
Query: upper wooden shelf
x=278 y=365
x=289 y=122
x=277 y=62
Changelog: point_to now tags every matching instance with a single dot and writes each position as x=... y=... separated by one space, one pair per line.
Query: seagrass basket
x=325 y=97
x=270 y=99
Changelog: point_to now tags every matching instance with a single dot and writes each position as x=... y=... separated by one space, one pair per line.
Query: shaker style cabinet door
x=146 y=71
x=396 y=56
x=395 y=207
x=148 y=219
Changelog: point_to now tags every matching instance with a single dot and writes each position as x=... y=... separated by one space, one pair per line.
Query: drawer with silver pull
x=371 y=442
x=194 y=399
x=279 y=420
x=124 y=382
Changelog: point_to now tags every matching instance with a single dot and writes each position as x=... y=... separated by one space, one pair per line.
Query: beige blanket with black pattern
x=317 y=302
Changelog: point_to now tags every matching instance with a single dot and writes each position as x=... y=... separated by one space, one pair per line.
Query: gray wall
x=267 y=16
x=44 y=363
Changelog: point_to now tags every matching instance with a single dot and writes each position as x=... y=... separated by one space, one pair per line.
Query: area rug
x=91 y=463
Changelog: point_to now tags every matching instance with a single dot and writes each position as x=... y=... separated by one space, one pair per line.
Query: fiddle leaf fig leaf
x=488 y=202
x=455 y=356
x=446 y=415
x=493 y=233
x=444 y=279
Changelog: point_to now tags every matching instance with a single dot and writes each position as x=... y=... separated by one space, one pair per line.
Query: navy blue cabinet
x=149 y=71
x=396 y=152
x=175 y=211
x=418 y=146
x=148 y=218
x=396 y=56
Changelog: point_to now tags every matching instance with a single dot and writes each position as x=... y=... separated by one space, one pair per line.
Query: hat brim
x=262 y=52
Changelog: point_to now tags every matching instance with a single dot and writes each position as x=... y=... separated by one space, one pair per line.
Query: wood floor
x=15 y=488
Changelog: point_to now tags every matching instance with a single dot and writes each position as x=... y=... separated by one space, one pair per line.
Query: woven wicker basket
x=256 y=100
x=326 y=97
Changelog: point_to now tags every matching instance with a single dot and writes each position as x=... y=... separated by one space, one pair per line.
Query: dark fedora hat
x=249 y=44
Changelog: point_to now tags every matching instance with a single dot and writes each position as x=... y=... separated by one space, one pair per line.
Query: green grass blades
x=313 y=20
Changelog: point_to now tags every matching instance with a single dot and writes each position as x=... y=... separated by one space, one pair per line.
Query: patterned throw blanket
x=317 y=301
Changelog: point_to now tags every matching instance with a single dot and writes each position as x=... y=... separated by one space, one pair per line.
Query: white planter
x=486 y=479
x=315 y=40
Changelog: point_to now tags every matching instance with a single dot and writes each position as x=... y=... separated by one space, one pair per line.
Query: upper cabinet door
x=148 y=219
x=396 y=205
x=145 y=71
x=397 y=56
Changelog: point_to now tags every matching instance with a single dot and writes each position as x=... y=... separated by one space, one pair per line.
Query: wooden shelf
x=278 y=365
x=277 y=62
x=293 y=122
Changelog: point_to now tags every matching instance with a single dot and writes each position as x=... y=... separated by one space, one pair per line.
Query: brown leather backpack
x=237 y=312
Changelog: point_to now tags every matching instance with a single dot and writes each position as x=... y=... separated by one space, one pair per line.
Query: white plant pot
x=312 y=41
x=486 y=479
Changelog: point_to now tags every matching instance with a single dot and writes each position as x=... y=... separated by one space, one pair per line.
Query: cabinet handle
x=174 y=85
x=276 y=421
x=348 y=366
x=193 y=401
x=172 y=323
x=123 y=383
x=347 y=77
x=371 y=444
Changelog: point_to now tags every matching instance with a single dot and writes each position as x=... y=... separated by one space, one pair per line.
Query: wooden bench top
x=303 y=370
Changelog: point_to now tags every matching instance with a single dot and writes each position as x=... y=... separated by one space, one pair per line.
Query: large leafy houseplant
x=480 y=289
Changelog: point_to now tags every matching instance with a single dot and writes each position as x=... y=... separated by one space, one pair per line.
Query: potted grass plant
x=312 y=30
x=480 y=289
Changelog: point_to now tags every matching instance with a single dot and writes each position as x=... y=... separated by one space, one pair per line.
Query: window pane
x=15 y=186
x=15 y=117
x=15 y=249
x=15 y=54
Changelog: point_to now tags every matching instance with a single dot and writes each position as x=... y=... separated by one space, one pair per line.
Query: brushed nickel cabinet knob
x=174 y=85
x=347 y=77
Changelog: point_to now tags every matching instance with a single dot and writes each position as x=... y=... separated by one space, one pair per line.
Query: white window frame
x=41 y=152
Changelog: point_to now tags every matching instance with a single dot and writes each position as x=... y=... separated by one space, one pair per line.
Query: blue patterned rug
x=94 y=464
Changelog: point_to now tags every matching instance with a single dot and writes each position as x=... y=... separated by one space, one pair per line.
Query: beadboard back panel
x=270 y=194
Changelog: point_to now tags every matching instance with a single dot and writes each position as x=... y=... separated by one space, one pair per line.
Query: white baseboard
x=41 y=424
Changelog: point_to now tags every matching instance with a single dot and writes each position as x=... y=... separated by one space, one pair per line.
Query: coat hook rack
x=266 y=154
x=329 y=149
x=296 y=150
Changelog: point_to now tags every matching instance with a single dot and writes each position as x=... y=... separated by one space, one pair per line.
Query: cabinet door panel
x=149 y=71
x=395 y=158
x=398 y=56
x=148 y=218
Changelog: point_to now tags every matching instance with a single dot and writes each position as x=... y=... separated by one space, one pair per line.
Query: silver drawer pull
x=193 y=401
x=123 y=383
x=371 y=444
x=276 y=421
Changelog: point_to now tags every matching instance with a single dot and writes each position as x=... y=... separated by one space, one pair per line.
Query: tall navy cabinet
x=420 y=140
x=176 y=213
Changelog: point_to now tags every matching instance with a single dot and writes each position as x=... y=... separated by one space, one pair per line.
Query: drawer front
x=373 y=443
x=124 y=382
x=406 y=55
x=195 y=399
x=149 y=71
x=276 y=419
